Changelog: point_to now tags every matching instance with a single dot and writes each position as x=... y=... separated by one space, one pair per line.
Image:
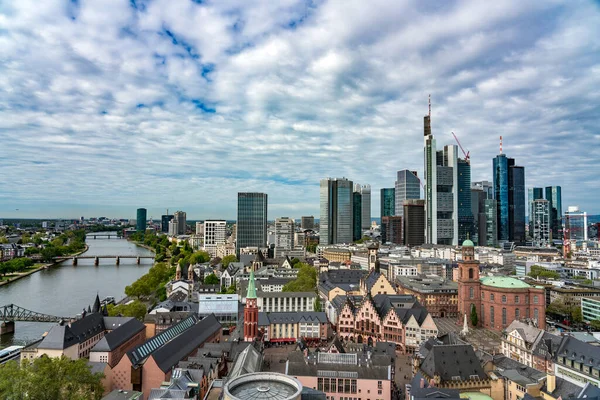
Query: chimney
x=551 y=382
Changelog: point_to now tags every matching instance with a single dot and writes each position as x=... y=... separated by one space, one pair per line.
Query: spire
x=105 y=311
x=89 y=310
x=251 y=287
x=178 y=272
x=96 y=304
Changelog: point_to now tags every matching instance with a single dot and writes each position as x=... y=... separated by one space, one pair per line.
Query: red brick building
x=498 y=300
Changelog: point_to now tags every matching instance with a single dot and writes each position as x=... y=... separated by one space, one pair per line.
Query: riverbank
x=144 y=246
x=41 y=267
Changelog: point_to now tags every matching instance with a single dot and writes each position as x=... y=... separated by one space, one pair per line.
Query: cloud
x=107 y=107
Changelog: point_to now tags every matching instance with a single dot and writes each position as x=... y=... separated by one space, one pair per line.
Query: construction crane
x=467 y=158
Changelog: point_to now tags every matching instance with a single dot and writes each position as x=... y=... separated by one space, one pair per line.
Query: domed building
x=497 y=300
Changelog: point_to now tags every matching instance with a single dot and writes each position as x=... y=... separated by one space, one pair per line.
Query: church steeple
x=178 y=272
x=251 y=294
x=96 y=304
x=251 y=311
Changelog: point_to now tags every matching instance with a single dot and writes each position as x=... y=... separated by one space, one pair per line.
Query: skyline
x=179 y=105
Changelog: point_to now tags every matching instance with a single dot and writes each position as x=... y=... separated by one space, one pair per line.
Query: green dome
x=468 y=243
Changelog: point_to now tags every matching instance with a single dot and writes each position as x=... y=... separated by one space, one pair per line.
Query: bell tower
x=372 y=248
x=469 y=286
x=251 y=311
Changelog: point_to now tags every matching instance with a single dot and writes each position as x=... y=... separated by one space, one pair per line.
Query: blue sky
x=106 y=106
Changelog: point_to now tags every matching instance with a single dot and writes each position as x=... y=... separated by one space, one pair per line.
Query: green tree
x=228 y=260
x=211 y=280
x=199 y=257
x=49 y=378
x=474 y=318
x=317 y=306
x=306 y=280
x=135 y=309
x=3 y=240
x=595 y=324
x=541 y=272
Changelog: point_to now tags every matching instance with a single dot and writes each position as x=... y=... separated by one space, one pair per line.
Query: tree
x=317 y=306
x=199 y=257
x=306 y=280
x=541 y=272
x=595 y=324
x=211 y=280
x=474 y=318
x=228 y=260
x=135 y=309
x=49 y=378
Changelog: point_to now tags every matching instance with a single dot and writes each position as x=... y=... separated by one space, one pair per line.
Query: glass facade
x=141 y=220
x=336 y=219
x=500 y=177
x=554 y=196
x=388 y=202
x=164 y=223
x=532 y=195
x=516 y=200
x=251 y=220
x=356 y=216
x=407 y=187
x=465 y=212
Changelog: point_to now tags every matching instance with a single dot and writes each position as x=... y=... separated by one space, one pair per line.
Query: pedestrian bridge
x=96 y=259
x=11 y=313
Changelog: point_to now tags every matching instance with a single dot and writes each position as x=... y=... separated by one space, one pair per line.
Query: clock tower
x=469 y=286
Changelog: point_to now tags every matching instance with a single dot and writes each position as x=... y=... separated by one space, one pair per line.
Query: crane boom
x=467 y=158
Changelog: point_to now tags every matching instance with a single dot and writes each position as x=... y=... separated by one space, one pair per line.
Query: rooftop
x=263 y=385
x=504 y=282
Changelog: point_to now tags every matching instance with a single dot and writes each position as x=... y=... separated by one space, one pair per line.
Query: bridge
x=11 y=313
x=96 y=259
x=104 y=235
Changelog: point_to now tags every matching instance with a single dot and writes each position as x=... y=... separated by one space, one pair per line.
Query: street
x=483 y=339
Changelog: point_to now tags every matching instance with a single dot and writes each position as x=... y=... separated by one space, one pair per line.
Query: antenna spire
x=500 y=144
x=429 y=106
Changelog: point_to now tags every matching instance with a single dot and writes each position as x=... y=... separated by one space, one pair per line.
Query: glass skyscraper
x=336 y=220
x=407 y=187
x=388 y=202
x=554 y=196
x=465 y=212
x=140 y=223
x=509 y=193
x=532 y=195
x=251 y=221
x=500 y=177
x=357 y=205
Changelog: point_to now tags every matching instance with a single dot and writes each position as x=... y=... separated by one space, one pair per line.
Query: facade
x=391 y=230
x=141 y=220
x=343 y=375
x=408 y=187
x=414 y=222
x=465 y=213
x=214 y=235
x=387 y=202
x=533 y=193
x=180 y=223
x=251 y=311
x=290 y=327
x=554 y=196
x=540 y=222
x=116 y=343
x=336 y=204
x=225 y=307
x=438 y=295
x=286 y=301
x=307 y=222
x=497 y=300
x=251 y=220
x=365 y=194
x=284 y=236
x=491 y=222
x=509 y=193
x=577 y=362
x=529 y=345
x=333 y=254
x=480 y=192
x=356 y=214
x=590 y=308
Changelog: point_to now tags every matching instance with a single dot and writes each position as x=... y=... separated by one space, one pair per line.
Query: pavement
x=275 y=357
x=482 y=338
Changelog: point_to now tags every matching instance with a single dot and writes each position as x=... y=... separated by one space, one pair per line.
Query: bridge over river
x=11 y=313
x=96 y=259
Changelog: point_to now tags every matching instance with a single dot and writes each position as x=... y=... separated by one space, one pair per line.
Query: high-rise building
x=356 y=214
x=164 y=223
x=414 y=222
x=199 y=228
x=388 y=202
x=576 y=224
x=251 y=220
x=335 y=224
x=365 y=194
x=215 y=234
x=407 y=187
x=509 y=193
x=480 y=192
x=391 y=229
x=491 y=222
x=284 y=236
x=533 y=193
x=141 y=220
x=307 y=222
x=180 y=219
x=554 y=196
x=173 y=228
x=540 y=222
x=465 y=213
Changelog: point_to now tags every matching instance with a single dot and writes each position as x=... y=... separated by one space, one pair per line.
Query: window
x=470 y=273
x=482 y=296
x=504 y=299
x=353 y=386
x=471 y=292
x=535 y=299
x=340 y=387
x=517 y=314
x=320 y=384
x=527 y=313
x=503 y=316
x=492 y=315
x=491 y=296
x=535 y=314
x=516 y=299
x=379 y=385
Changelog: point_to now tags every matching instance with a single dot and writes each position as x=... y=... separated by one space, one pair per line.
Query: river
x=65 y=290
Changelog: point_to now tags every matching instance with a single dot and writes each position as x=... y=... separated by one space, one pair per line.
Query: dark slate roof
x=371 y=279
x=162 y=318
x=178 y=297
x=343 y=276
x=117 y=337
x=576 y=350
x=380 y=367
x=312 y=394
x=63 y=336
x=564 y=389
x=97 y=367
x=246 y=259
x=428 y=391
x=182 y=345
x=170 y=394
x=516 y=371
x=265 y=318
x=450 y=361
x=546 y=345
x=123 y=395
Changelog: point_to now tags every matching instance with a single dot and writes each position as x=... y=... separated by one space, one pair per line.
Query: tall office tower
x=215 y=234
x=365 y=194
x=173 y=228
x=407 y=187
x=180 y=218
x=576 y=226
x=480 y=192
x=466 y=224
x=388 y=202
x=554 y=196
x=509 y=193
x=251 y=221
x=532 y=194
x=357 y=214
x=491 y=222
x=284 y=236
x=414 y=222
x=391 y=229
x=307 y=222
x=541 y=222
x=141 y=220
x=335 y=225
x=164 y=223
x=199 y=228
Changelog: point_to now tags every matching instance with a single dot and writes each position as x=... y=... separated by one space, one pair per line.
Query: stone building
x=438 y=295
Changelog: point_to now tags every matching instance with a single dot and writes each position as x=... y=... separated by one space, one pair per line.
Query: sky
x=107 y=106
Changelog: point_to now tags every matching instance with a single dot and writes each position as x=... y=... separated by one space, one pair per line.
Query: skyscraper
x=251 y=220
x=180 y=219
x=215 y=234
x=388 y=202
x=141 y=220
x=533 y=193
x=414 y=222
x=465 y=212
x=407 y=187
x=554 y=196
x=357 y=214
x=336 y=203
x=491 y=222
x=540 y=222
x=365 y=194
x=391 y=229
x=480 y=192
x=509 y=193
x=284 y=236
x=164 y=223
x=307 y=222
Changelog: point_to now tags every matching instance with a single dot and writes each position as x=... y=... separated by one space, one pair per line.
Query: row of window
x=504 y=299
x=504 y=318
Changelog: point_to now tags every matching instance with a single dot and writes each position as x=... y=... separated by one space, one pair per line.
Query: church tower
x=372 y=248
x=469 y=286
x=178 y=272
x=251 y=311
x=190 y=273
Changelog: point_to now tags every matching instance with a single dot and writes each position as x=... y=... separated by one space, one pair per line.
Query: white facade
x=541 y=222
x=284 y=236
x=215 y=232
x=365 y=193
x=286 y=302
